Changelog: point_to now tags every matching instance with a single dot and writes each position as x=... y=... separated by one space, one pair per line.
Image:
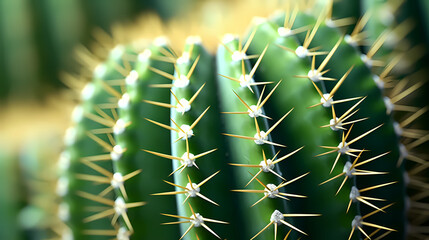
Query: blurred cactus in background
x=214 y=119
x=38 y=38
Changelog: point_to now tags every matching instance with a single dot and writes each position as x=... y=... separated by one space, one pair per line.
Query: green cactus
x=255 y=128
x=9 y=203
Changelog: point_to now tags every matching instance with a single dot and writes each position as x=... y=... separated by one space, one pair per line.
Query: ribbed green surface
x=302 y=128
x=10 y=200
x=140 y=134
x=80 y=145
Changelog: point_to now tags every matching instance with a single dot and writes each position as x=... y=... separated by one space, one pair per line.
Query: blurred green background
x=37 y=38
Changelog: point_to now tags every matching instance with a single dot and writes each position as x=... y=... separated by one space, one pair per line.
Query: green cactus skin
x=304 y=125
x=245 y=151
x=9 y=202
x=17 y=49
x=59 y=26
x=224 y=135
x=375 y=107
x=80 y=145
x=425 y=6
x=132 y=110
x=197 y=65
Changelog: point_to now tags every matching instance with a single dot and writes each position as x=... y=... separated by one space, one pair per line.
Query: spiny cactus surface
x=283 y=134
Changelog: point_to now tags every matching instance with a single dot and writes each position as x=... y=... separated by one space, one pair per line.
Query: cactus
x=9 y=203
x=284 y=134
x=45 y=33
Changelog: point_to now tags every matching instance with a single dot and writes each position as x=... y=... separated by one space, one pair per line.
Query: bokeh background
x=38 y=37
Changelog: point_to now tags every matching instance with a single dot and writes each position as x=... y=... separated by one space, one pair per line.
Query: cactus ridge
x=278 y=89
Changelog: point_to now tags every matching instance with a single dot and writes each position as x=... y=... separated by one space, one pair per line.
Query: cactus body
x=255 y=128
x=9 y=203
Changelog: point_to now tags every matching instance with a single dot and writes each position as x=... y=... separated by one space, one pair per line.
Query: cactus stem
x=240 y=54
x=358 y=223
x=277 y=218
x=191 y=189
x=355 y=195
x=374 y=48
x=343 y=147
x=338 y=123
x=120 y=233
x=272 y=191
x=119 y=208
x=182 y=106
